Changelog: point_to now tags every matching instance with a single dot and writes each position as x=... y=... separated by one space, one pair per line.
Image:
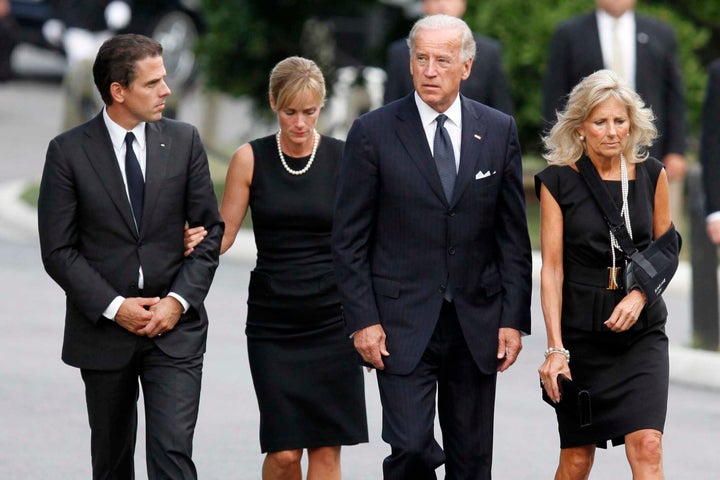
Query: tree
x=246 y=38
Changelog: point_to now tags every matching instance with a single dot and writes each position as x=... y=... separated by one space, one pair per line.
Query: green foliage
x=246 y=38
x=525 y=29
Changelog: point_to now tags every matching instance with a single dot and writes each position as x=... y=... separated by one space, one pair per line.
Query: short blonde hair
x=293 y=76
x=563 y=145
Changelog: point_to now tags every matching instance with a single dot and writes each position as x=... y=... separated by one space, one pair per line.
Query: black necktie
x=135 y=180
x=444 y=157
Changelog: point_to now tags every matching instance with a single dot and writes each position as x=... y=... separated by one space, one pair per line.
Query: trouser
x=466 y=401
x=171 y=390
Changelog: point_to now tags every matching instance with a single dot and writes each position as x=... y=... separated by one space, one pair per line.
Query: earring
x=582 y=138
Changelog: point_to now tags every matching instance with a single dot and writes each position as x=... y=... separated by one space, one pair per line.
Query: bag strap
x=607 y=206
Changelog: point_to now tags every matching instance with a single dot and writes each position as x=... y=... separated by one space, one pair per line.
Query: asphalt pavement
x=43 y=423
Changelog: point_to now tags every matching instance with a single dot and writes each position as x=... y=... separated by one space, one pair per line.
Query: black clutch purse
x=573 y=400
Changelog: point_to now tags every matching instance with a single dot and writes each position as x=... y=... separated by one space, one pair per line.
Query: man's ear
x=117 y=92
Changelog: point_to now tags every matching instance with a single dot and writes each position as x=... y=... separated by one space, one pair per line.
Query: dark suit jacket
x=710 y=143
x=91 y=248
x=396 y=238
x=486 y=84
x=575 y=53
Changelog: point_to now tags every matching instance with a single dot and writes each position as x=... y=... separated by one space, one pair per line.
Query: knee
x=285 y=459
x=575 y=463
x=325 y=456
x=646 y=447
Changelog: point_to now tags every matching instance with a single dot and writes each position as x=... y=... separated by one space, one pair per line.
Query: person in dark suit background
x=115 y=195
x=710 y=151
x=644 y=53
x=433 y=257
x=487 y=82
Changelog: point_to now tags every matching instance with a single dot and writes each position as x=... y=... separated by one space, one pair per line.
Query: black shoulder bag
x=651 y=270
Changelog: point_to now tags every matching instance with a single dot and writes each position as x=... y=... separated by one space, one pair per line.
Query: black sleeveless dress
x=309 y=386
x=626 y=373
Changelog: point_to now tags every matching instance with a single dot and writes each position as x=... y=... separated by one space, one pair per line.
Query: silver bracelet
x=560 y=350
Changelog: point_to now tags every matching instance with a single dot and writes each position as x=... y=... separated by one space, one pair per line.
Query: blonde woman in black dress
x=308 y=382
x=616 y=341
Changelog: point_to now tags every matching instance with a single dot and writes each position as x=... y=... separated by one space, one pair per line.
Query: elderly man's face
x=436 y=66
x=615 y=7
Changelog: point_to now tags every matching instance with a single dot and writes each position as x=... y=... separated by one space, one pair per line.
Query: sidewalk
x=688 y=366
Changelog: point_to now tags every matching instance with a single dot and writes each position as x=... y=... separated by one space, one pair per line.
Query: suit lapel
x=473 y=138
x=593 y=37
x=101 y=156
x=156 y=160
x=643 y=37
x=408 y=127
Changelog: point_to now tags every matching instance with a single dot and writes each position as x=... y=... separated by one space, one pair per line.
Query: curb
x=688 y=366
x=18 y=221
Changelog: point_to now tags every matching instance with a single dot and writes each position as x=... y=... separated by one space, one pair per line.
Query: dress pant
x=171 y=390
x=466 y=402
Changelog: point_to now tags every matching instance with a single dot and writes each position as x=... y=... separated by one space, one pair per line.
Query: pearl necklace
x=624 y=211
x=316 y=140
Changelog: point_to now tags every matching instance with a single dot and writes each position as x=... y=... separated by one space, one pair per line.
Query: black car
x=176 y=24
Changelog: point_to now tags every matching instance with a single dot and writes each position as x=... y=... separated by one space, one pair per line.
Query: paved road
x=43 y=424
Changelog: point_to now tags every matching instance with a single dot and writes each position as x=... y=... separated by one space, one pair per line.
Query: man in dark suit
x=115 y=195
x=642 y=50
x=710 y=152
x=433 y=257
x=487 y=82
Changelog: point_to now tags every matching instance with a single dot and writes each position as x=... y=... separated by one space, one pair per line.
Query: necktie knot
x=129 y=139
x=440 y=119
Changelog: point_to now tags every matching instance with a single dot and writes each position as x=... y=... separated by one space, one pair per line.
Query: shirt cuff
x=712 y=217
x=180 y=299
x=113 y=308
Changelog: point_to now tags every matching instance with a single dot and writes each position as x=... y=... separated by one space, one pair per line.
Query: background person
x=115 y=195
x=309 y=387
x=487 y=82
x=710 y=152
x=433 y=257
x=643 y=51
x=618 y=344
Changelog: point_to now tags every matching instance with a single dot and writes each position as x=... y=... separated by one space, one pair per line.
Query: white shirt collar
x=117 y=133
x=428 y=114
x=605 y=20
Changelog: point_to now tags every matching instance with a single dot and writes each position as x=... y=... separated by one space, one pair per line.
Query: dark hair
x=116 y=60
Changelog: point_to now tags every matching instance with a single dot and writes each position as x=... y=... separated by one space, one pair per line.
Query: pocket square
x=480 y=174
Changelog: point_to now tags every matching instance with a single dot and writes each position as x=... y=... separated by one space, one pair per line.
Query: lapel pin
x=162 y=144
x=477 y=136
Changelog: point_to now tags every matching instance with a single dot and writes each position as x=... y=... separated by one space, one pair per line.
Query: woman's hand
x=193 y=237
x=554 y=364
x=627 y=312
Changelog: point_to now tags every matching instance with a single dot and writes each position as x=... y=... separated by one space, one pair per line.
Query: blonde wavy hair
x=563 y=145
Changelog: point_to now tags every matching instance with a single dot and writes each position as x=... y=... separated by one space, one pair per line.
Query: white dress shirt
x=117 y=138
x=626 y=30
